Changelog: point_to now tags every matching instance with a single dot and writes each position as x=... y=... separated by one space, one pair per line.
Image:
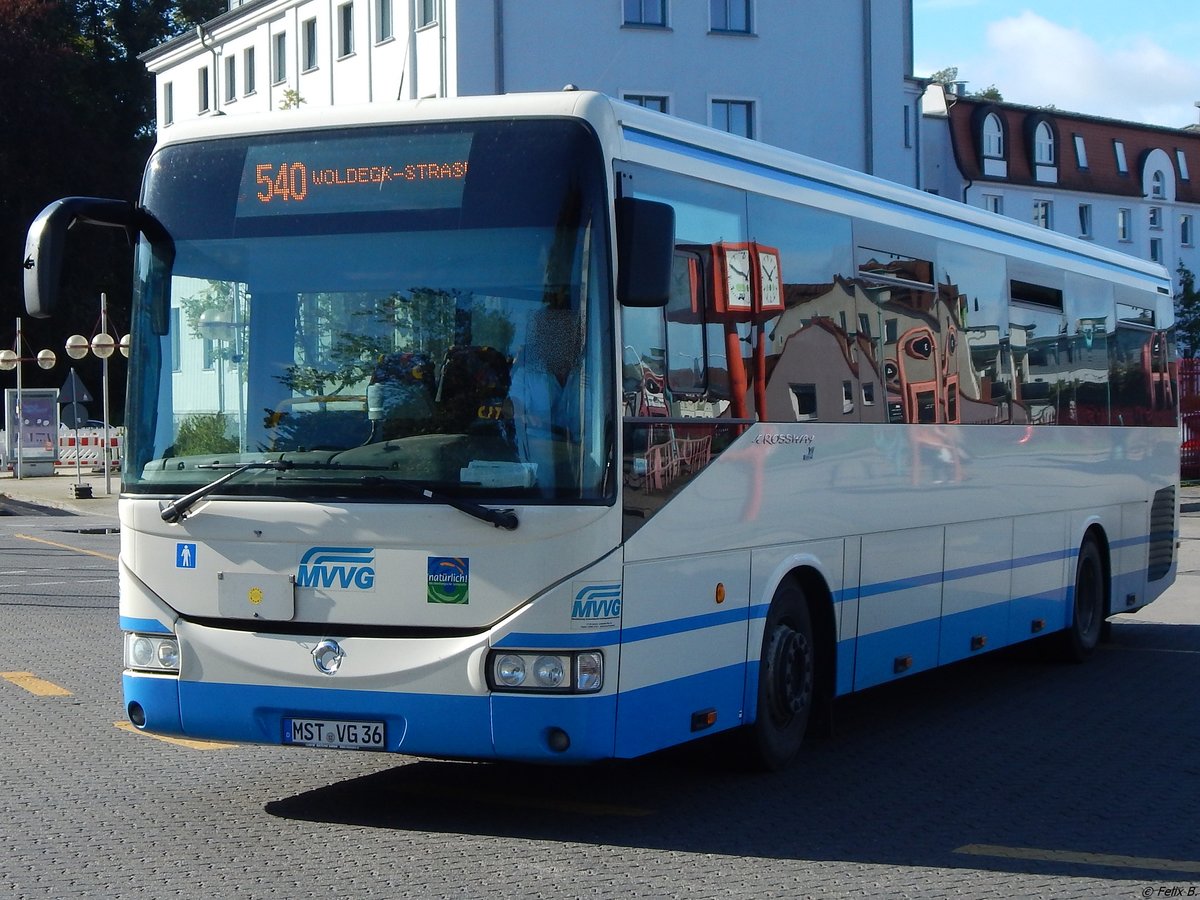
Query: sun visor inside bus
x=532 y=174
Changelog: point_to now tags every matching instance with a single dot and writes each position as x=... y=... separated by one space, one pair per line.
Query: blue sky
x=1138 y=61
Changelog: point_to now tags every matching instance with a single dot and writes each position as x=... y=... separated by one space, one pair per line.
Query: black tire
x=1089 y=608
x=786 y=674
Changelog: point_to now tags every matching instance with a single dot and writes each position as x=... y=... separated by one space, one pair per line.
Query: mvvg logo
x=345 y=568
x=597 y=601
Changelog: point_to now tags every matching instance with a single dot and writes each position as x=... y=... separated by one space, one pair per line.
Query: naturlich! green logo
x=449 y=580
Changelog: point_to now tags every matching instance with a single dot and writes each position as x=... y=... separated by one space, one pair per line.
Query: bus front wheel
x=785 y=680
x=1088 y=610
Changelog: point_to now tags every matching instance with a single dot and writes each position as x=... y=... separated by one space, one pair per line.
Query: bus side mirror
x=46 y=241
x=645 y=252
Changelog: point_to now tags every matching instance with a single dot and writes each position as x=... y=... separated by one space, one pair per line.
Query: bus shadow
x=1009 y=750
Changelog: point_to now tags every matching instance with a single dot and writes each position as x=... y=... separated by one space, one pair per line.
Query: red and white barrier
x=88 y=449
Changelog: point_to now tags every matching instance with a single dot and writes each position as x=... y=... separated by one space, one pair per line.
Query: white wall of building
x=829 y=80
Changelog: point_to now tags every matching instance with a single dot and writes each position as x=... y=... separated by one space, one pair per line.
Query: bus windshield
x=381 y=309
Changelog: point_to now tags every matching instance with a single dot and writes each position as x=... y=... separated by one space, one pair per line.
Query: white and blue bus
x=545 y=427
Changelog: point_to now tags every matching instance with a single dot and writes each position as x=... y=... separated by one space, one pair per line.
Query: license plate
x=334 y=734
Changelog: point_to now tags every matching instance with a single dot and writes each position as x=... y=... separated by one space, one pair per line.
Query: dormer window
x=1043 y=145
x=992 y=145
x=1158 y=185
x=993 y=137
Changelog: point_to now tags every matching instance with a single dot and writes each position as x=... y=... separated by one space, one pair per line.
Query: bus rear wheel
x=785 y=681
x=1088 y=608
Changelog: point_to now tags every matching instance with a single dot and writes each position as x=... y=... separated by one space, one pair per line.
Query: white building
x=1126 y=186
x=831 y=80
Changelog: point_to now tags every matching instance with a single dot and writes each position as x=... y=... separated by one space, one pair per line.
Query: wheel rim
x=789 y=674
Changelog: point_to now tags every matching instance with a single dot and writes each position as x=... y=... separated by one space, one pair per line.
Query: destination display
x=395 y=172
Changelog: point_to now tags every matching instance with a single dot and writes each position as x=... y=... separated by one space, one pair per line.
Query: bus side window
x=817 y=350
x=973 y=295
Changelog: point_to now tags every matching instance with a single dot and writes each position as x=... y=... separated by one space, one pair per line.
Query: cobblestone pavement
x=1005 y=776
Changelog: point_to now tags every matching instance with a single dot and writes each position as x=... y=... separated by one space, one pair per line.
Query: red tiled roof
x=1101 y=175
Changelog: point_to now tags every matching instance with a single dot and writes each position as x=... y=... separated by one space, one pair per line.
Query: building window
x=383 y=21
x=308 y=45
x=908 y=139
x=1158 y=183
x=279 y=60
x=1124 y=224
x=1122 y=163
x=345 y=29
x=804 y=401
x=1043 y=213
x=202 y=85
x=734 y=116
x=656 y=102
x=1186 y=237
x=646 y=12
x=1156 y=250
x=1043 y=145
x=1156 y=217
x=1080 y=152
x=248 y=72
x=993 y=137
x=994 y=203
x=1183 y=167
x=729 y=15
x=426 y=12
x=168 y=104
x=230 y=78
x=1085 y=220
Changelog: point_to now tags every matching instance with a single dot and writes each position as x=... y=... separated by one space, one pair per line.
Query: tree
x=77 y=117
x=1187 y=312
x=948 y=77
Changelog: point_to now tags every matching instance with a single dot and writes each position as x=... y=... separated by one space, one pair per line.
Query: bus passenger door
x=683 y=649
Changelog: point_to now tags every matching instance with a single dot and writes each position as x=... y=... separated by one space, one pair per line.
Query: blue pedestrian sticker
x=185 y=556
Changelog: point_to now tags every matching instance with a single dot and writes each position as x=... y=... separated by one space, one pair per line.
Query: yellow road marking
x=1091 y=859
x=37 y=686
x=179 y=742
x=38 y=540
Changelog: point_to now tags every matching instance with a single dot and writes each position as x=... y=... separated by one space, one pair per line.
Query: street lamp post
x=12 y=359
x=102 y=346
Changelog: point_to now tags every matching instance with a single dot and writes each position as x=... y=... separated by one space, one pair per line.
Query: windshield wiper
x=498 y=518
x=177 y=509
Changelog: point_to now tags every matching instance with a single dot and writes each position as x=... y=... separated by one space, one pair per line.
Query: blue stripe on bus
x=512 y=726
x=670 y=627
x=146 y=626
x=587 y=640
x=660 y=715
x=784 y=176
x=158 y=696
x=681 y=626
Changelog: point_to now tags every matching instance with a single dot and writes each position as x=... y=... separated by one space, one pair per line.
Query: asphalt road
x=1005 y=776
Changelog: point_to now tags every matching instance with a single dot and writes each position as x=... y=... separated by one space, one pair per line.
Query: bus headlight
x=548 y=671
x=152 y=653
x=589 y=671
x=510 y=671
x=568 y=672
